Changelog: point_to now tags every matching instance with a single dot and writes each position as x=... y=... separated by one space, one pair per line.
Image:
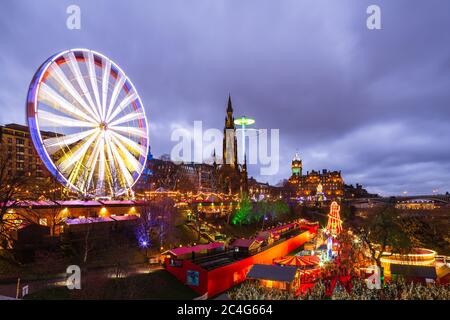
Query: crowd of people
x=399 y=290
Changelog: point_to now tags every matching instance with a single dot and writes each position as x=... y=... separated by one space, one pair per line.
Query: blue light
x=143 y=243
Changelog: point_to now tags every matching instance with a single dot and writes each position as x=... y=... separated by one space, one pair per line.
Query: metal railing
x=445 y=259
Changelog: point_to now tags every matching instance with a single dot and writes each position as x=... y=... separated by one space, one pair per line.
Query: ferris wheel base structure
x=96 y=129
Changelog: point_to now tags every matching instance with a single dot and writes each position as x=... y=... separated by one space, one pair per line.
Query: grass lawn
x=185 y=234
x=132 y=255
x=158 y=285
x=57 y=293
x=240 y=231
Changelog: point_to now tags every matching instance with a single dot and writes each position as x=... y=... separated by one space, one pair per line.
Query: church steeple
x=229 y=137
x=230 y=105
x=229 y=119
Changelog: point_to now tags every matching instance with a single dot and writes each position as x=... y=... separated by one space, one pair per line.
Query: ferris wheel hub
x=103 y=126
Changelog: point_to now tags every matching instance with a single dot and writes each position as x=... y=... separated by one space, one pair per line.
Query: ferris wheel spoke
x=76 y=153
x=58 y=75
x=101 y=166
x=106 y=67
x=77 y=171
x=119 y=160
x=127 y=118
x=55 y=144
x=92 y=163
x=51 y=119
x=131 y=162
x=136 y=132
x=117 y=87
x=130 y=143
x=123 y=167
x=93 y=79
x=73 y=65
x=122 y=105
x=56 y=101
x=113 y=176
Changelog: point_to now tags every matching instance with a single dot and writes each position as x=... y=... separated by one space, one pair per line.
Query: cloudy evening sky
x=374 y=104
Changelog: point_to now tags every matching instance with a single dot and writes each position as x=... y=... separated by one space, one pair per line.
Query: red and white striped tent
x=298 y=261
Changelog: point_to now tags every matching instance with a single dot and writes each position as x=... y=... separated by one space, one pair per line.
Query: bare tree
x=382 y=233
x=14 y=189
x=55 y=214
x=157 y=217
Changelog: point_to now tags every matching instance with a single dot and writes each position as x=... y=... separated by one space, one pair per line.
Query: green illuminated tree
x=243 y=214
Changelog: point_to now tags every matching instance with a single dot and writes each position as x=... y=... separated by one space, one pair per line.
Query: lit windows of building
x=306 y=185
x=18 y=145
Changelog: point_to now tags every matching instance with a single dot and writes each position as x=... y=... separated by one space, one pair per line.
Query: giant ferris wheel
x=88 y=123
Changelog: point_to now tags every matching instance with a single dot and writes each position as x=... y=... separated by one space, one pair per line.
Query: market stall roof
x=245 y=243
x=272 y=272
x=125 y=217
x=117 y=202
x=34 y=204
x=281 y=228
x=87 y=203
x=201 y=247
x=87 y=220
x=71 y=203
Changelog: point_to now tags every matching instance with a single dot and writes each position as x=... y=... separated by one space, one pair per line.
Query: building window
x=20 y=141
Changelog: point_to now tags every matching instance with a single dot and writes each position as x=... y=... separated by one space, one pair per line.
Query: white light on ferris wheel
x=96 y=139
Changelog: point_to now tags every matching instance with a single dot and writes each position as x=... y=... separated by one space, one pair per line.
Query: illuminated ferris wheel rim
x=33 y=111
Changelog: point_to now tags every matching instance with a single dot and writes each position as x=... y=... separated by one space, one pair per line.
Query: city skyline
x=377 y=117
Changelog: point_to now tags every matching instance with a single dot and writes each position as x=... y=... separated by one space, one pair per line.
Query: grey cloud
x=309 y=68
